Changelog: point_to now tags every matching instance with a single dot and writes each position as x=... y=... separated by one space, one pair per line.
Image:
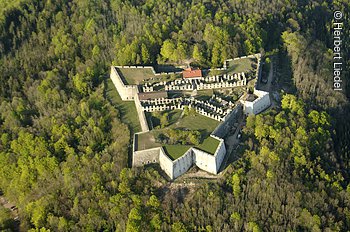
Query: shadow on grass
x=167 y=68
x=112 y=96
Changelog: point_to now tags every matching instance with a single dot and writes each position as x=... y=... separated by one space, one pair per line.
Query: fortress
x=154 y=93
x=193 y=156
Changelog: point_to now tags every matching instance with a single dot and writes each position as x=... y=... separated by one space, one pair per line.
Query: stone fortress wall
x=175 y=168
x=257 y=55
x=148 y=67
x=182 y=164
x=126 y=92
x=221 y=152
x=129 y=93
x=143 y=157
x=141 y=114
x=223 y=128
x=166 y=164
x=205 y=161
x=259 y=104
x=262 y=102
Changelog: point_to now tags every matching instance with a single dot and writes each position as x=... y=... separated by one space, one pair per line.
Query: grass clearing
x=209 y=145
x=196 y=122
x=154 y=117
x=146 y=141
x=127 y=109
x=135 y=75
x=240 y=65
x=236 y=66
x=192 y=122
x=176 y=151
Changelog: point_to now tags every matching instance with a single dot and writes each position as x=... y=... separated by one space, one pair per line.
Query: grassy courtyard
x=236 y=66
x=135 y=75
x=175 y=151
x=209 y=145
x=146 y=141
x=240 y=65
x=196 y=122
x=155 y=117
x=126 y=109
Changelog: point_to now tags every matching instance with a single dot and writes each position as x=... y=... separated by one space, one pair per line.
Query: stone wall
x=220 y=154
x=175 y=168
x=204 y=160
x=259 y=104
x=143 y=157
x=166 y=164
x=248 y=107
x=149 y=67
x=263 y=103
x=182 y=164
x=224 y=127
x=126 y=92
x=141 y=115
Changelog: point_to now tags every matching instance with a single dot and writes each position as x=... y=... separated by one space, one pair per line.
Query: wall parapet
x=141 y=114
x=126 y=92
x=148 y=67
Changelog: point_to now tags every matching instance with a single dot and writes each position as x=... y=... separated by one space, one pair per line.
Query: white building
x=193 y=156
x=256 y=103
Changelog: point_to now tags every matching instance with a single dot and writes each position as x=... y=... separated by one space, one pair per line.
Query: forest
x=64 y=147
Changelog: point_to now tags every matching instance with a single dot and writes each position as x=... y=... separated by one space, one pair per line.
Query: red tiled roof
x=191 y=73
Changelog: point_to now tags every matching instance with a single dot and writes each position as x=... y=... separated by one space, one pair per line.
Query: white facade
x=182 y=164
x=175 y=168
x=220 y=155
x=166 y=164
x=258 y=105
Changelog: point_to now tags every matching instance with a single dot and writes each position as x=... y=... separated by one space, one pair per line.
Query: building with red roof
x=192 y=73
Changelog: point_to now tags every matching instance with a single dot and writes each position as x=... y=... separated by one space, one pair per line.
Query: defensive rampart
x=126 y=92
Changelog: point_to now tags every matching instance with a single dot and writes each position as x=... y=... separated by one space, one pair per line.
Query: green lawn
x=146 y=141
x=209 y=145
x=235 y=66
x=135 y=75
x=127 y=109
x=241 y=65
x=164 y=77
x=173 y=116
x=194 y=122
x=175 y=151
x=197 y=122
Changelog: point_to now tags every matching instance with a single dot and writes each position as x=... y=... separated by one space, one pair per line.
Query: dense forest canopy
x=64 y=148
